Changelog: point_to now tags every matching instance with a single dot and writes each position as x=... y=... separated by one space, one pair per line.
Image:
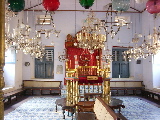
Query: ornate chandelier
x=107 y=57
x=19 y=38
x=150 y=46
x=92 y=36
x=48 y=32
x=63 y=57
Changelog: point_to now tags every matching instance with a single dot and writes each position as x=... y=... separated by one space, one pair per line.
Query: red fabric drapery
x=84 y=58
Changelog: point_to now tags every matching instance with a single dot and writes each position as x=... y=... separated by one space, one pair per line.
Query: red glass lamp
x=153 y=6
x=51 y=5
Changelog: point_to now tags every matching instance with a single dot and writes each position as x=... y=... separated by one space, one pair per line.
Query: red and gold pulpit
x=83 y=67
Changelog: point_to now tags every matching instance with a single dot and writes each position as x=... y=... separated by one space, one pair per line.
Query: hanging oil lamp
x=51 y=5
x=121 y=5
x=86 y=3
x=16 y=5
x=153 y=6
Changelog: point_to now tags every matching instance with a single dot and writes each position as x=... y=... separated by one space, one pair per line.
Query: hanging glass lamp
x=51 y=5
x=121 y=5
x=16 y=5
x=153 y=6
x=86 y=3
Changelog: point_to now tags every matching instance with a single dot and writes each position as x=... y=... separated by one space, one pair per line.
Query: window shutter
x=120 y=65
x=44 y=68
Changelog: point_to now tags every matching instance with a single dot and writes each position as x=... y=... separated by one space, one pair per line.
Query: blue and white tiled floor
x=43 y=108
x=139 y=109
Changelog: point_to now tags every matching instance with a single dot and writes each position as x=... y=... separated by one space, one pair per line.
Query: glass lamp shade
x=86 y=3
x=153 y=6
x=51 y=5
x=16 y=5
x=121 y=5
x=140 y=1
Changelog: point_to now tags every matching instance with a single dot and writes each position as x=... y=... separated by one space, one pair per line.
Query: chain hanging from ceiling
x=114 y=22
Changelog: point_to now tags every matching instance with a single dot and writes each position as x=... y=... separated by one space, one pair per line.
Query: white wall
x=65 y=21
x=150 y=69
x=156 y=71
x=18 y=70
x=9 y=74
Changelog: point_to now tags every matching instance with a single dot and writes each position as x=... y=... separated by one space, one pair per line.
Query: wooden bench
x=102 y=111
x=151 y=95
x=126 y=90
x=36 y=87
x=8 y=97
x=126 y=87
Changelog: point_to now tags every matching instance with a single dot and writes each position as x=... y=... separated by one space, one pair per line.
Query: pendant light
x=86 y=3
x=16 y=5
x=140 y=1
x=51 y=5
x=121 y=5
x=153 y=6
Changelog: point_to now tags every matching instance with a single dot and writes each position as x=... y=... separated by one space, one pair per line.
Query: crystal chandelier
x=19 y=38
x=113 y=26
x=48 y=32
x=92 y=36
x=63 y=57
x=150 y=46
x=107 y=57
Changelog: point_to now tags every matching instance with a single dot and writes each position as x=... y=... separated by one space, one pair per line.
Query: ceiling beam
x=83 y=11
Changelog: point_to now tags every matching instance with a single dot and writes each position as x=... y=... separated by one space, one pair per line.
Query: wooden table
x=87 y=106
x=85 y=116
x=62 y=102
x=116 y=104
x=87 y=96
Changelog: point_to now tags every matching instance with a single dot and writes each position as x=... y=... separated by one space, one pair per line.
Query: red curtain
x=84 y=57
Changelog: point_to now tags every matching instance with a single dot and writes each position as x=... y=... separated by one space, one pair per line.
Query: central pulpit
x=86 y=72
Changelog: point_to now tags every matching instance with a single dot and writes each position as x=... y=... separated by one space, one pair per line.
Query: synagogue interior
x=79 y=60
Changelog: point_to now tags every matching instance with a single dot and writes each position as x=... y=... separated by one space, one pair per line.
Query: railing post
x=2 y=55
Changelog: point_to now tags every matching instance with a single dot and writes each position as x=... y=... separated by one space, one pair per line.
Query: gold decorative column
x=2 y=55
x=106 y=90
x=72 y=91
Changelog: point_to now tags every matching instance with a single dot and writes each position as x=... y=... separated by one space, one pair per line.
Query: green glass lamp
x=16 y=5
x=86 y=3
